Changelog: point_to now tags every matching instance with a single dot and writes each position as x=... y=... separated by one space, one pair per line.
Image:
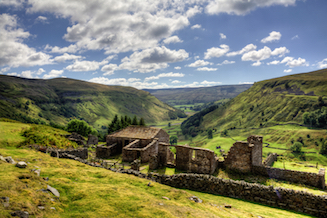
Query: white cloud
x=226 y=62
x=53 y=74
x=5 y=69
x=118 y=27
x=201 y=84
x=196 y=26
x=207 y=69
x=134 y=82
x=193 y=11
x=322 y=64
x=275 y=62
x=295 y=37
x=152 y=59
x=85 y=65
x=70 y=49
x=28 y=73
x=273 y=36
x=15 y=3
x=199 y=63
x=245 y=82
x=177 y=68
x=247 y=48
x=216 y=52
x=281 y=51
x=66 y=57
x=171 y=74
x=175 y=82
x=109 y=69
x=256 y=64
x=207 y=83
x=288 y=71
x=242 y=7
x=222 y=36
x=264 y=53
x=13 y=52
x=40 y=71
x=291 y=62
x=172 y=39
x=41 y=19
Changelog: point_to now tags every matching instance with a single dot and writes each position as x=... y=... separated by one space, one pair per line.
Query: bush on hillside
x=80 y=127
x=323 y=149
x=297 y=147
x=47 y=136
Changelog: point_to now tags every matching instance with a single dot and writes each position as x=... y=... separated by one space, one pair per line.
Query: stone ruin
x=133 y=142
x=150 y=145
x=243 y=155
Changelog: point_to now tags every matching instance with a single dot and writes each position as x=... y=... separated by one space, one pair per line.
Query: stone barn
x=133 y=142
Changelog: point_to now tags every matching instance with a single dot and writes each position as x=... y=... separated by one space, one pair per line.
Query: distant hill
x=198 y=95
x=269 y=102
x=58 y=100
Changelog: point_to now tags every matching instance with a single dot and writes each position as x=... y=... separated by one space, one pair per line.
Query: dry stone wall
x=312 y=179
x=276 y=197
x=61 y=153
x=105 y=152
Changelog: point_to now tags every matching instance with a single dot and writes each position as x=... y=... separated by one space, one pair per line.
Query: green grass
x=11 y=132
x=94 y=192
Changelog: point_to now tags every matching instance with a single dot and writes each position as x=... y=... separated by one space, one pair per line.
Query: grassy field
x=94 y=192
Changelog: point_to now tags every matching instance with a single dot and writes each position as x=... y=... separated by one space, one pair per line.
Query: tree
x=134 y=122
x=80 y=127
x=323 y=149
x=297 y=147
x=169 y=124
x=210 y=134
x=173 y=140
x=142 y=123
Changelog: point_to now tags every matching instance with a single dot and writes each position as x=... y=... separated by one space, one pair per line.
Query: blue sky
x=162 y=43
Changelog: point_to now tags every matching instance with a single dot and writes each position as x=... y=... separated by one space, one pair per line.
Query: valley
x=275 y=111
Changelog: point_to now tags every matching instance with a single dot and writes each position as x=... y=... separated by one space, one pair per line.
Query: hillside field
x=95 y=192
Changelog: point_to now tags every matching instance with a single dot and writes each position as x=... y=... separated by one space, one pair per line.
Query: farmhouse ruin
x=151 y=145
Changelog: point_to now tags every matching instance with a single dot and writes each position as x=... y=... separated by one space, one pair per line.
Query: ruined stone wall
x=162 y=154
x=204 y=161
x=183 y=157
x=136 y=149
x=256 y=149
x=150 y=149
x=288 y=199
x=312 y=179
x=239 y=157
x=105 y=152
x=81 y=153
x=270 y=160
x=129 y=153
x=196 y=160
x=162 y=136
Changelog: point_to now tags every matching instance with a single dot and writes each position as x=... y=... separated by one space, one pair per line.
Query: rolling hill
x=269 y=102
x=198 y=95
x=61 y=99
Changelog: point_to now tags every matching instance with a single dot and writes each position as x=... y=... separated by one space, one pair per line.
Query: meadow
x=86 y=191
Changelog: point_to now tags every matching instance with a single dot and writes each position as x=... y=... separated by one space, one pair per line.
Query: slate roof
x=137 y=132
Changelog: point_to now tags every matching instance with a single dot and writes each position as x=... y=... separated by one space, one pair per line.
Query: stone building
x=133 y=142
x=243 y=155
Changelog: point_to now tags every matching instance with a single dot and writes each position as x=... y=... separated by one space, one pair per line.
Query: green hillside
x=270 y=102
x=59 y=100
x=197 y=95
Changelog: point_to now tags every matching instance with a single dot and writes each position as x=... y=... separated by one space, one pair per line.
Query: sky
x=155 y=44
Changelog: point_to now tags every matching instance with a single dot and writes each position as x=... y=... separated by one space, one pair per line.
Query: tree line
x=124 y=121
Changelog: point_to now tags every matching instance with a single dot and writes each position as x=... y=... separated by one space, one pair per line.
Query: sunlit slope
x=274 y=101
x=61 y=99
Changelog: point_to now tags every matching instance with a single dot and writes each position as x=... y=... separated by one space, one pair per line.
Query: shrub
x=297 y=147
x=210 y=134
x=173 y=140
x=80 y=127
